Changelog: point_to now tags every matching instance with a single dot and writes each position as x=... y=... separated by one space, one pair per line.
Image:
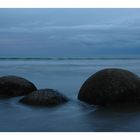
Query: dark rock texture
x=44 y=97
x=11 y=86
x=111 y=87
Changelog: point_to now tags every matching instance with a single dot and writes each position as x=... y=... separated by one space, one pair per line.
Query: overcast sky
x=69 y=32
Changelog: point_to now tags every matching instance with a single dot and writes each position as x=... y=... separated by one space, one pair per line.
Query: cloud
x=32 y=28
x=47 y=37
x=7 y=41
x=132 y=23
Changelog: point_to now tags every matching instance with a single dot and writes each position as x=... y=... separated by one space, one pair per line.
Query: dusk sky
x=69 y=32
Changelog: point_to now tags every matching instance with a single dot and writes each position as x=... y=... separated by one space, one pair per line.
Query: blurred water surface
x=67 y=76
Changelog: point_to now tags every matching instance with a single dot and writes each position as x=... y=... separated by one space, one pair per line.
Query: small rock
x=44 y=97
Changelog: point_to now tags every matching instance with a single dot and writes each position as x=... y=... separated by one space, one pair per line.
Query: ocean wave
x=68 y=58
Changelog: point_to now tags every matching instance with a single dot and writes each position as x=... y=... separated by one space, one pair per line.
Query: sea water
x=66 y=76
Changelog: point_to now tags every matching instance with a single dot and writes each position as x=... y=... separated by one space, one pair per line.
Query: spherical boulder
x=44 y=97
x=111 y=87
x=11 y=86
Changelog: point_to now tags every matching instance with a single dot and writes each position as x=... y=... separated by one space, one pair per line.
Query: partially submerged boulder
x=11 y=86
x=111 y=87
x=44 y=97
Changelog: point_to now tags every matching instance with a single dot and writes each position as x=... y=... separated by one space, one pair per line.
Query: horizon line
x=69 y=58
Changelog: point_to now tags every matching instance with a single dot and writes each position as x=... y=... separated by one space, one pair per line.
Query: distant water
x=66 y=75
x=71 y=58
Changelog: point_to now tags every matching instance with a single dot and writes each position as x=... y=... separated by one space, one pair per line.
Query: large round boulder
x=44 y=97
x=11 y=86
x=111 y=87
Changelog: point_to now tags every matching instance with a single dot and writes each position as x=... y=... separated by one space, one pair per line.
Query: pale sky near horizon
x=69 y=32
